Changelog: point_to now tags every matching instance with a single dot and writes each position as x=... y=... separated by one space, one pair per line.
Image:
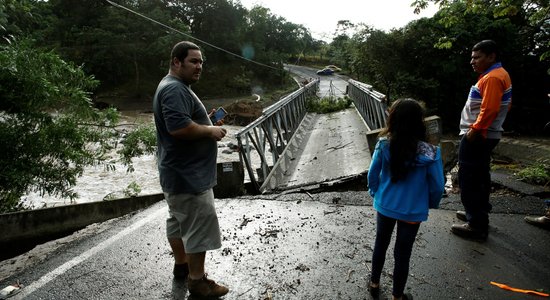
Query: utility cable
x=190 y=36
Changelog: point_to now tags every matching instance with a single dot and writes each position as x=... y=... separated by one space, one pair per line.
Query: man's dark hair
x=487 y=47
x=181 y=50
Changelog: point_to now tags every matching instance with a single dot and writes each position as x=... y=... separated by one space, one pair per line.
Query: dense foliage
x=60 y=57
x=43 y=105
x=126 y=45
x=49 y=128
x=429 y=59
x=328 y=104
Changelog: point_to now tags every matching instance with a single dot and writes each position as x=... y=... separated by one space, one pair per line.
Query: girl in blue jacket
x=405 y=179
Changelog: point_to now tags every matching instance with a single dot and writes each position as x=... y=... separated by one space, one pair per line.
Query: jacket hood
x=426 y=153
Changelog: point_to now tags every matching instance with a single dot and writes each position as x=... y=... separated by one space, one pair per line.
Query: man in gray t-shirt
x=185 y=165
x=187 y=151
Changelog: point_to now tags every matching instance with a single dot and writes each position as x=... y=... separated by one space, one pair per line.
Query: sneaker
x=543 y=222
x=205 y=287
x=181 y=271
x=461 y=215
x=467 y=231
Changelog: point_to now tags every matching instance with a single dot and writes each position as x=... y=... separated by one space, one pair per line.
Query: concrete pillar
x=230 y=180
x=433 y=132
x=433 y=129
x=372 y=138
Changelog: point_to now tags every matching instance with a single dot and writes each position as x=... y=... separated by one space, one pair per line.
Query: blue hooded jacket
x=409 y=199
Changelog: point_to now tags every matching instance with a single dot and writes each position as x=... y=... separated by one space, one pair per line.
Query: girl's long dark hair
x=405 y=128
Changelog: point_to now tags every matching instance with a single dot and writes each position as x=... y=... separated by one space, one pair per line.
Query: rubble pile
x=241 y=113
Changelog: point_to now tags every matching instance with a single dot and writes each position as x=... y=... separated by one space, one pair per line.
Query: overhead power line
x=190 y=36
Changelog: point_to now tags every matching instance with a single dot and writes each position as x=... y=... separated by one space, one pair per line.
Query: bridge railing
x=265 y=139
x=372 y=105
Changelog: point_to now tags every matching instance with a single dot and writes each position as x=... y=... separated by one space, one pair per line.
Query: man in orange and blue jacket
x=481 y=129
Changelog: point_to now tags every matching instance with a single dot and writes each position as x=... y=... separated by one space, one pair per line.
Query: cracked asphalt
x=301 y=245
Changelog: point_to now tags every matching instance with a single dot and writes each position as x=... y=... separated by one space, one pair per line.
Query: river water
x=97 y=183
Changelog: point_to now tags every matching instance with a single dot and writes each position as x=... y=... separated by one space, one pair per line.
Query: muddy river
x=97 y=183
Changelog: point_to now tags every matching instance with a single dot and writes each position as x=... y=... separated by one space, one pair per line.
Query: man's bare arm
x=194 y=131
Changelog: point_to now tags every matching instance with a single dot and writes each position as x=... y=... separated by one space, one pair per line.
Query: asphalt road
x=293 y=246
x=329 y=85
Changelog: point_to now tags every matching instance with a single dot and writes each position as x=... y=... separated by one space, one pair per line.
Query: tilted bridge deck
x=295 y=148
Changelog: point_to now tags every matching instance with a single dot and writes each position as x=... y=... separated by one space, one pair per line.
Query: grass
x=328 y=104
x=538 y=174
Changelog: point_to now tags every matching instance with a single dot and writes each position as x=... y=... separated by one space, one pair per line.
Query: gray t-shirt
x=185 y=166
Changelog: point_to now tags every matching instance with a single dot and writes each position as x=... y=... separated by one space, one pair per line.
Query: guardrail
x=372 y=105
x=270 y=133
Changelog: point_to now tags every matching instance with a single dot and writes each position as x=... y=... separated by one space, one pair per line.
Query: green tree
x=49 y=130
x=48 y=125
x=522 y=29
x=429 y=60
x=121 y=49
x=17 y=18
x=341 y=48
x=219 y=22
x=271 y=40
x=40 y=147
x=531 y=17
x=128 y=53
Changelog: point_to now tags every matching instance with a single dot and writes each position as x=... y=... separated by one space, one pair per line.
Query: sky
x=321 y=17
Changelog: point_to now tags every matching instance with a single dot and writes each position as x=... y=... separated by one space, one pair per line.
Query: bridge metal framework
x=270 y=134
x=371 y=104
x=267 y=138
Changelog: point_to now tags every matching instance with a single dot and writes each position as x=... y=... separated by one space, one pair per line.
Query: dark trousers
x=404 y=240
x=474 y=179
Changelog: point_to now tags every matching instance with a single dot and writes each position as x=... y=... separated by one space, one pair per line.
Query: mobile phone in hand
x=218 y=115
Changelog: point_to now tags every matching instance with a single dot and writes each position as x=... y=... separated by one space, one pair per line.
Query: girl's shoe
x=374 y=291
x=407 y=296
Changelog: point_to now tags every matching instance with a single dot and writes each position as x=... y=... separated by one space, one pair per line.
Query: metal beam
x=270 y=134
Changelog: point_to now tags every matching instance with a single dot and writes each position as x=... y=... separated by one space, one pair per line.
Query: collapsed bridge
x=295 y=148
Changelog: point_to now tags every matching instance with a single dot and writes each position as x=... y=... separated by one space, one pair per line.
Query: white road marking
x=82 y=257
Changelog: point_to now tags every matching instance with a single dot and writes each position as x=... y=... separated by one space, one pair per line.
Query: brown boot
x=206 y=288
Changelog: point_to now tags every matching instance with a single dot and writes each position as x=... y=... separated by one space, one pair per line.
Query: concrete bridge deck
x=335 y=147
x=326 y=147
